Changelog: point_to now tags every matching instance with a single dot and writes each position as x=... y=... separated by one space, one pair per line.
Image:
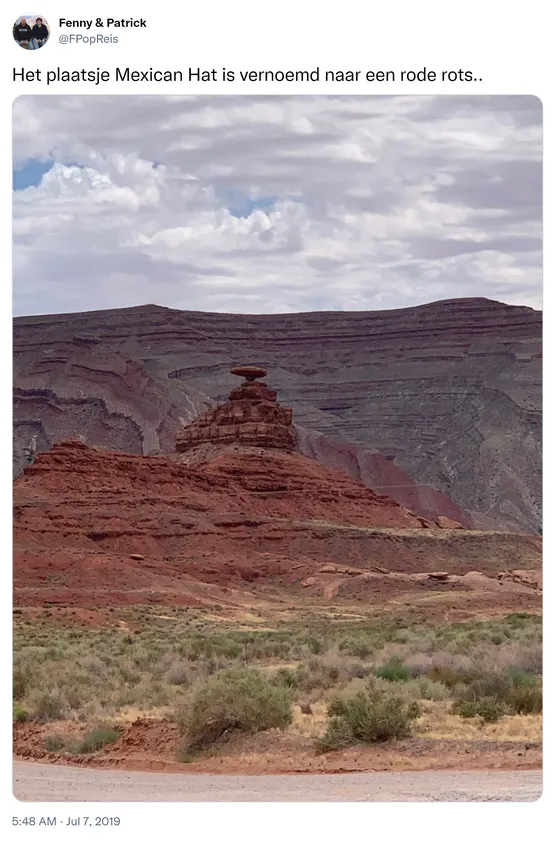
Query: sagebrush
x=370 y=716
x=235 y=699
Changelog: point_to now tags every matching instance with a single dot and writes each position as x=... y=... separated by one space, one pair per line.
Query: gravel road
x=40 y=782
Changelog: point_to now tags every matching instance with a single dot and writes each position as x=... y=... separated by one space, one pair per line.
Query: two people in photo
x=31 y=37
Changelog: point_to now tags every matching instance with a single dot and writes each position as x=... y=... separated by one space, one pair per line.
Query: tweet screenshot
x=275 y=331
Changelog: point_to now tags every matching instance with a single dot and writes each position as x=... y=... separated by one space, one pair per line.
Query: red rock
x=239 y=517
x=252 y=416
x=448 y=390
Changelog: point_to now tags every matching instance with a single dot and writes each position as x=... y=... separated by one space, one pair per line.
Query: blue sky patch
x=30 y=174
x=242 y=206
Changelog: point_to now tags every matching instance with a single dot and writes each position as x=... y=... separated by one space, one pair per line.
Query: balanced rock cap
x=250 y=372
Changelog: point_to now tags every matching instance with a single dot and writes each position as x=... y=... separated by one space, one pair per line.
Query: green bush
x=371 y=716
x=97 y=739
x=394 y=670
x=488 y=708
x=20 y=714
x=235 y=699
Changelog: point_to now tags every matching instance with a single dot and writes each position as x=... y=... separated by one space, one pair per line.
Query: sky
x=275 y=204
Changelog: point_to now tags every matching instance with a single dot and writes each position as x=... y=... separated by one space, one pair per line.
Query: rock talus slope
x=449 y=393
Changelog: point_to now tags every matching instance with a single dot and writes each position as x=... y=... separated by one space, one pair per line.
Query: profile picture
x=31 y=32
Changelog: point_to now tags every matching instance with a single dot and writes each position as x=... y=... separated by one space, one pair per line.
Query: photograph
x=277 y=446
x=31 y=32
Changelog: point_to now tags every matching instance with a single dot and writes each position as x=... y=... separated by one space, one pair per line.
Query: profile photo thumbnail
x=31 y=32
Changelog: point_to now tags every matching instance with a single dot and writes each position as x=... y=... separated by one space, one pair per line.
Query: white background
x=507 y=44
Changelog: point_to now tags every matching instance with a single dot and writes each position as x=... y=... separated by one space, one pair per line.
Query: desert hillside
x=235 y=514
x=235 y=571
x=449 y=392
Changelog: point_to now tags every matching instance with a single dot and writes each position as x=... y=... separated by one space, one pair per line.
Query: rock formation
x=96 y=528
x=450 y=391
x=252 y=416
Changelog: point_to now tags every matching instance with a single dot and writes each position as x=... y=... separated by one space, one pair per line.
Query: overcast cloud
x=275 y=204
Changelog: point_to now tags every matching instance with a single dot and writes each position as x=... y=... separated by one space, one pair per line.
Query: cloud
x=275 y=204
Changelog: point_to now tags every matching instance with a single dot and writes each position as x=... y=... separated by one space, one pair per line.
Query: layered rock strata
x=251 y=416
x=96 y=528
x=449 y=391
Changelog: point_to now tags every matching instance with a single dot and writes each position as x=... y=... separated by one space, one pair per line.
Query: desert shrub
x=359 y=670
x=319 y=674
x=21 y=679
x=20 y=714
x=525 y=699
x=179 y=674
x=47 y=706
x=450 y=676
x=520 y=677
x=370 y=716
x=394 y=670
x=488 y=708
x=235 y=699
x=519 y=692
x=315 y=645
x=287 y=677
x=54 y=742
x=432 y=690
x=355 y=647
x=97 y=739
x=418 y=663
x=489 y=686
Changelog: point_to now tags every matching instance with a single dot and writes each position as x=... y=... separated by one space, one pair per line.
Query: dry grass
x=438 y=723
x=310 y=725
x=131 y=714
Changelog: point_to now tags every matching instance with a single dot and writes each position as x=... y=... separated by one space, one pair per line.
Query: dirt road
x=41 y=782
